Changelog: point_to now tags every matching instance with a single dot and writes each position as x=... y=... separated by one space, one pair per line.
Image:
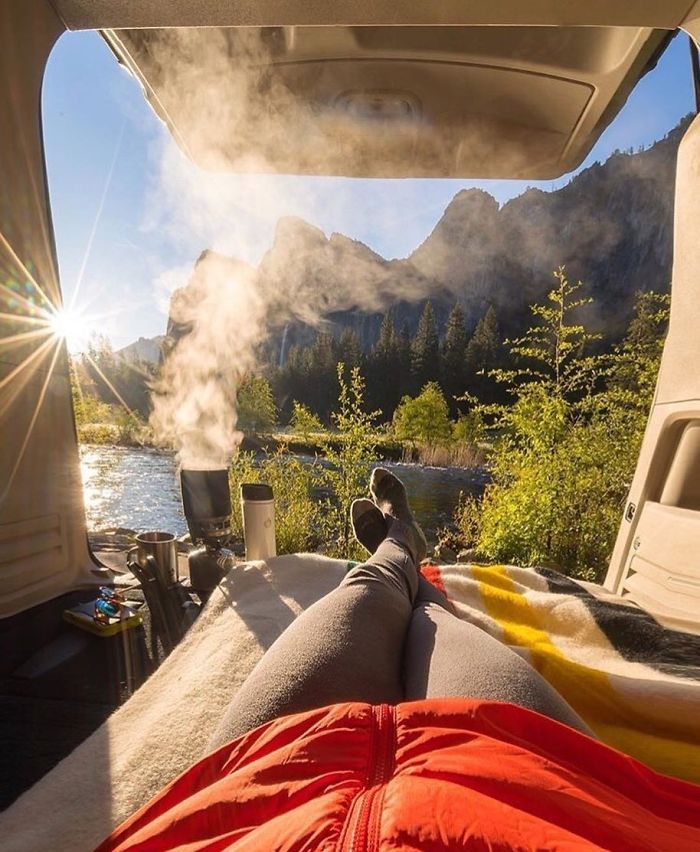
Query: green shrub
x=468 y=521
x=559 y=489
x=425 y=418
x=128 y=426
x=469 y=428
x=98 y=433
x=565 y=451
x=304 y=422
x=257 y=411
x=350 y=458
x=88 y=409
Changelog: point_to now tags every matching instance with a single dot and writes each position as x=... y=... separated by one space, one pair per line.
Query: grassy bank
x=457 y=454
x=112 y=435
x=318 y=443
x=385 y=447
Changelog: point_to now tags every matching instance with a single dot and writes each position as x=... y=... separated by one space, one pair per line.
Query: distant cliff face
x=144 y=350
x=611 y=226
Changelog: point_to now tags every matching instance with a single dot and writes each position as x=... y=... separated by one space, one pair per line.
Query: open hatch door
x=656 y=561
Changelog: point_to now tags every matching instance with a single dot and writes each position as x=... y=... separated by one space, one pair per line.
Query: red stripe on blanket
x=432 y=574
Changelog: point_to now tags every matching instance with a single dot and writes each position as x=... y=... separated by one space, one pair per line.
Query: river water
x=138 y=489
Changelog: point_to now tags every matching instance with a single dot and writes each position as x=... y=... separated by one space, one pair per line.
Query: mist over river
x=138 y=489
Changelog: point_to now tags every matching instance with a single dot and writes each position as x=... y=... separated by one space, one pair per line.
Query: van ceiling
x=486 y=102
x=426 y=100
x=121 y=14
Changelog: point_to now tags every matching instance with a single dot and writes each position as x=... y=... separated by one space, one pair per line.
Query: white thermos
x=258 y=511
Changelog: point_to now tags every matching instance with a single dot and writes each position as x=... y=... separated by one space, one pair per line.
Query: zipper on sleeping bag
x=363 y=820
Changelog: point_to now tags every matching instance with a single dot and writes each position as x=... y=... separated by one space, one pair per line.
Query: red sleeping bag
x=432 y=775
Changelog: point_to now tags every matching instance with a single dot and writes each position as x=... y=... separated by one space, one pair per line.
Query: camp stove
x=206 y=499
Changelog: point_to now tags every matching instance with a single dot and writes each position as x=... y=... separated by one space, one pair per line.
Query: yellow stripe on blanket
x=668 y=742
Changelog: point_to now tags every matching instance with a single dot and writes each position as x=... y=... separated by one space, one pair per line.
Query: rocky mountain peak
x=611 y=225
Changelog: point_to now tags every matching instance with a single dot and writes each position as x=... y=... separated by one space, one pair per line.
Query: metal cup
x=161 y=547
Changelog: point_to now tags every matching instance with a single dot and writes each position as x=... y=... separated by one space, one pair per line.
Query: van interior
x=448 y=89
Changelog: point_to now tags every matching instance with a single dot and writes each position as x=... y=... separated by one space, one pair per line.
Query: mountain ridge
x=611 y=225
x=144 y=350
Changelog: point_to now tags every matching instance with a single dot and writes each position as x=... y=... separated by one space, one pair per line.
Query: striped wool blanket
x=635 y=683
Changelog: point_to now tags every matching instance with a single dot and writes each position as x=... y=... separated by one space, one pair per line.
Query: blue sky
x=109 y=192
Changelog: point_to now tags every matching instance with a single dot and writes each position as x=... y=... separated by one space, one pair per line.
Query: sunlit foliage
x=424 y=418
x=566 y=449
x=257 y=411
x=304 y=422
x=350 y=458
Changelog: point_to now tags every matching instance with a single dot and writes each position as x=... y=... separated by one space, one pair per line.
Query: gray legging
x=384 y=635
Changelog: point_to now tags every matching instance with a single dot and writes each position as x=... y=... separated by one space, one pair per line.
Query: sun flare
x=72 y=326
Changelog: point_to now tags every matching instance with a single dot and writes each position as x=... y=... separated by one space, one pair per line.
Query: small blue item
x=107 y=608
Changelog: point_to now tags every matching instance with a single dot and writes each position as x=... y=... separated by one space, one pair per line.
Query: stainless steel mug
x=157 y=551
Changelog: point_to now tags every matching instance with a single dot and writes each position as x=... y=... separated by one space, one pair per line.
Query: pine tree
x=322 y=388
x=453 y=355
x=647 y=328
x=349 y=350
x=292 y=381
x=386 y=342
x=483 y=353
x=404 y=382
x=425 y=351
x=323 y=351
x=636 y=361
x=383 y=369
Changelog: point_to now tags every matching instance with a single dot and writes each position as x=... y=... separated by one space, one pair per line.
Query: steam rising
x=217 y=320
x=194 y=402
x=224 y=313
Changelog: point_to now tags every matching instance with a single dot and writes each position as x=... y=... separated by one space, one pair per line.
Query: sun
x=72 y=326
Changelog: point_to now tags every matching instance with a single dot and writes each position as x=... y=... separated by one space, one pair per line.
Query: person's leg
x=445 y=657
x=346 y=647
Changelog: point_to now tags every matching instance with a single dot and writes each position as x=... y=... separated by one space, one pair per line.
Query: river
x=138 y=489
